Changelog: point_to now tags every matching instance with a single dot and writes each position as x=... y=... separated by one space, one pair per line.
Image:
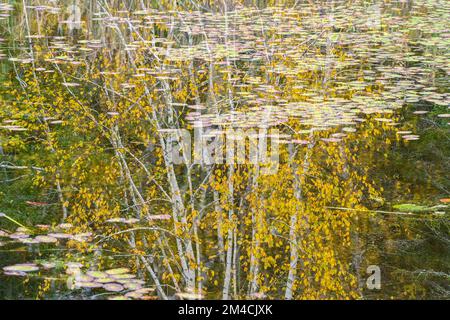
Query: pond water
x=353 y=96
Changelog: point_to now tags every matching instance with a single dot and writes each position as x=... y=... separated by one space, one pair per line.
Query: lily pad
x=23 y=267
x=123 y=276
x=117 y=271
x=4 y=234
x=118 y=298
x=48 y=265
x=43 y=226
x=74 y=264
x=89 y=285
x=159 y=217
x=46 y=239
x=123 y=220
x=60 y=235
x=134 y=295
x=105 y=280
x=132 y=285
x=97 y=274
x=29 y=241
x=113 y=287
x=18 y=235
x=82 y=237
x=83 y=278
x=15 y=273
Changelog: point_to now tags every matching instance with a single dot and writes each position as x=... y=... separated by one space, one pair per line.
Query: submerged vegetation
x=94 y=95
